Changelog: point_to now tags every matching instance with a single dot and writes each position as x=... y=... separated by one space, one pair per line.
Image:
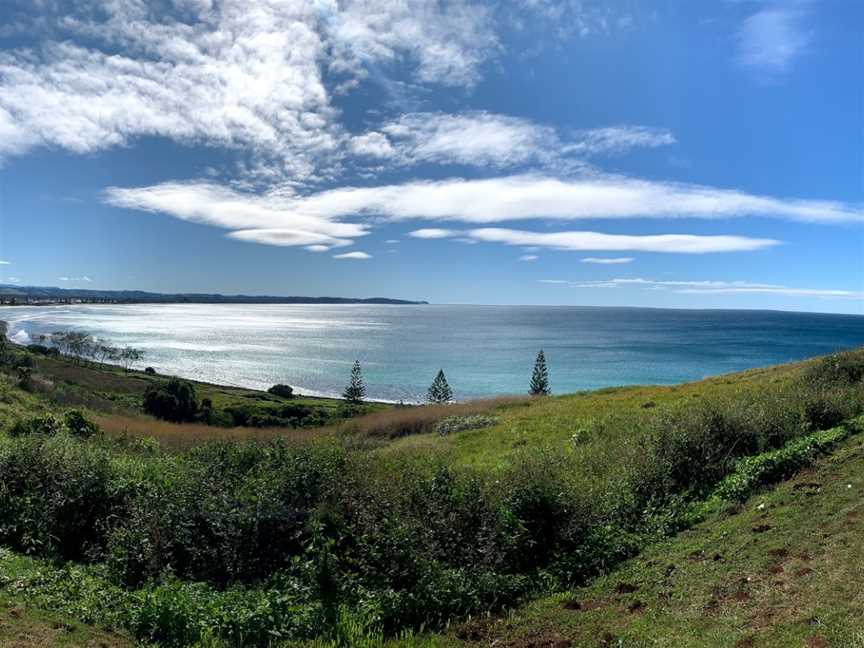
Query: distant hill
x=10 y=294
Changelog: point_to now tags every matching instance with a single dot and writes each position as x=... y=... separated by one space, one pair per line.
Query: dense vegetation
x=251 y=542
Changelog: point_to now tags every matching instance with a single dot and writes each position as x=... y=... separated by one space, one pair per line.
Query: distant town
x=11 y=295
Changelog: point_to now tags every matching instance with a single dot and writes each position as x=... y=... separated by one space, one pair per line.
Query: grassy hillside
x=784 y=568
x=381 y=525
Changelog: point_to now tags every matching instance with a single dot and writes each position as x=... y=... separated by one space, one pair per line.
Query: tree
x=355 y=391
x=285 y=391
x=173 y=401
x=540 y=378
x=129 y=356
x=439 y=390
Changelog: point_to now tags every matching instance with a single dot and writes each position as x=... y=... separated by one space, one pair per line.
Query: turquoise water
x=484 y=350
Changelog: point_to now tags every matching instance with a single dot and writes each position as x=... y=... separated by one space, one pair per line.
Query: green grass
x=552 y=422
x=782 y=569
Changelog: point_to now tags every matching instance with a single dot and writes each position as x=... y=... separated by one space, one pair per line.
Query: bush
x=150 y=371
x=73 y=422
x=838 y=369
x=284 y=391
x=58 y=496
x=78 y=425
x=172 y=401
x=44 y=425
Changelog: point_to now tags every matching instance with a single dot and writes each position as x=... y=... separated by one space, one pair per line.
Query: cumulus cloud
x=607 y=260
x=773 y=38
x=353 y=255
x=710 y=287
x=233 y=74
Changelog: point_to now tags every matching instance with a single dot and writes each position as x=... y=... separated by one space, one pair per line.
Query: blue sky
x=681 y=154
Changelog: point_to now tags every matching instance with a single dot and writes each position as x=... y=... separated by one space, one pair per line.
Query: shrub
x=284 y=391
x=78 y=425
x=44 y=425
x=57 y=497
x=838 y=369
x=150 y=371
x=173 y=401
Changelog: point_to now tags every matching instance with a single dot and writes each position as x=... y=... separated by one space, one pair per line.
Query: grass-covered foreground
x=409 y=520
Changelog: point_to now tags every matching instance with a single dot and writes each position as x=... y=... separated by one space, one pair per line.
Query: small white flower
x=761 y=507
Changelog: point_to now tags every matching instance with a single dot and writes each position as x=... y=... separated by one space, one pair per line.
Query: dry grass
x=405 y=421
x=386 y=424
x=180 y=436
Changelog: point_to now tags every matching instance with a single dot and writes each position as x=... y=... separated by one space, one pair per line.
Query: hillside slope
x=784 y=569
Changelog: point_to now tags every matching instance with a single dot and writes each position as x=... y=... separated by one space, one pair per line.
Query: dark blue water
x=484 y=350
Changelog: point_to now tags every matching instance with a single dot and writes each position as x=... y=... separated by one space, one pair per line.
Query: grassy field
x=420 y=517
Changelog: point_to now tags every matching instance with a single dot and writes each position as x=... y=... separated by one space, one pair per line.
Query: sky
x=669 y=154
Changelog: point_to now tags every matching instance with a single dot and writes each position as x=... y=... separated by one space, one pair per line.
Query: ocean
x=483 y=350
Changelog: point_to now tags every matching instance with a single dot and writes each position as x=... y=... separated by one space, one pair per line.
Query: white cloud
x=771 y=39
x=618 y=139
x=288 y=218
x=607 y=260
x=519 y=197
x=374 y=145
x=484 y=139
x=270 y=218
x=528 y=257
x=433 y=233
x=392 y=241
x=78 y=279
x=237 y=74
x=580 y=241
x=353 y=255
x=4 y=262
x=317 y=248
x=711 y=287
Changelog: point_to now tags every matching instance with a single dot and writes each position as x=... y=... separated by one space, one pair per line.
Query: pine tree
x=439 y=390
x=355 y=391
x=540 y=378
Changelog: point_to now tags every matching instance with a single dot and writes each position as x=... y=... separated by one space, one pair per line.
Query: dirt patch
x=583 y=606
x=636 y=607
x=853 y=515
x=807 y=486
x=741 y=596
x=761 y=528
x=804 y=571
x=745 y=642
x=778 y=553
x=626 y=588
x=775 y=569
x=477 y=630
x=816 y=642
